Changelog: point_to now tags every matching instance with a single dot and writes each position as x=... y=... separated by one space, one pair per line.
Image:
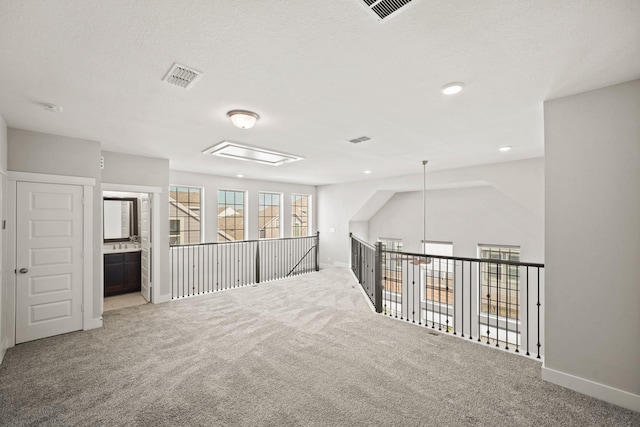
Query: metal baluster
x=419 y=289
x=185 y=269
x=462 y=295
x=527 y=302
x=498 y=304
x=481 y=264
x=508 y=305
x=446 y=290
x=439 y=294
x=471 y=297
x=538 y=304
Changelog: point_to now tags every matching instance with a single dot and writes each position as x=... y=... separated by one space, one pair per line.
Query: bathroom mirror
x=120 y=223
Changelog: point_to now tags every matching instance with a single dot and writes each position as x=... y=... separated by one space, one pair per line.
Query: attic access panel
x=382 y=10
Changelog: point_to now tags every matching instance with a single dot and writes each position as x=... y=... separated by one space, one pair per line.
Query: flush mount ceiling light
x=367 y=172
x=240 y=175
x=243 y=119
x=505 y=148
x=452 y=88
x=53 y=108
x=232 y=150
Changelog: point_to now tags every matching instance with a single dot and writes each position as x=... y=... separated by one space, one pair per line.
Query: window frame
x=501 y=277
x=279 y=217
x=201 y=211
x=244 y=214
x=438 y=271
x=308 y=218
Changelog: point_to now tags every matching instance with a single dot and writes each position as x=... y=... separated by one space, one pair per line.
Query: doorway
x=130 y=233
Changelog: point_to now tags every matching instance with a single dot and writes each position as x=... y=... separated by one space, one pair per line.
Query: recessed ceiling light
x=367 y=172
x=240 y=175
x=505 y=148
x=243 y=119
x=452 y=88
x=53 y=108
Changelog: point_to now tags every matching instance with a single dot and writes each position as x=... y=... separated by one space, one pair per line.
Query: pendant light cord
x=424 y=206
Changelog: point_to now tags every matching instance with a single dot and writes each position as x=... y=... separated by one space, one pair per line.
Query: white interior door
x=145 y=244
x=49 y=261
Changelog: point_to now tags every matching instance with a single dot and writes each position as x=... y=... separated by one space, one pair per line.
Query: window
x=299 y=215
x=269 y=215
x=184 y=215
x=231 y=209
x=438 y=273
x=500 y=283
x=391 y=264
x=174 y=231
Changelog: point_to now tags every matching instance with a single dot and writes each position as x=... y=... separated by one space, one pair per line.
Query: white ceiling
x=318 y=73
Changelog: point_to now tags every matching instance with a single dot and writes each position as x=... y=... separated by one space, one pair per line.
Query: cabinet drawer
x=114 y=258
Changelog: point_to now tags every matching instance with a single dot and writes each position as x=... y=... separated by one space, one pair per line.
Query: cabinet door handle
x=24 y=270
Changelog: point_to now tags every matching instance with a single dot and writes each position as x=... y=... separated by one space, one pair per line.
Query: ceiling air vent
x=232 y=150
x=384 y=9
x=359 y=140
x=182 y=76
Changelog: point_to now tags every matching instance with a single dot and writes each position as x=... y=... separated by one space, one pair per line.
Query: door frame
x=155 y=235
x=89 y=321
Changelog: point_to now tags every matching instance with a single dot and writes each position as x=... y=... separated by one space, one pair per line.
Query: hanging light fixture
x=243 y=119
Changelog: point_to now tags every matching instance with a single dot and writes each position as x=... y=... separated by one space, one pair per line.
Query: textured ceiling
x=318 y=73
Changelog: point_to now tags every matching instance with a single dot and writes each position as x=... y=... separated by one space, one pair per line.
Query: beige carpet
x=302 y=351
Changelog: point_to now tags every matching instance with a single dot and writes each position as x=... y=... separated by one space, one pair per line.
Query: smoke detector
x=182 y=76
x=382 y=10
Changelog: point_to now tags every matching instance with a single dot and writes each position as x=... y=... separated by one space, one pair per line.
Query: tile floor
x=122 y=301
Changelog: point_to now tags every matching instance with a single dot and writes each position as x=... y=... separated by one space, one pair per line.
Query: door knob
x=24 y=270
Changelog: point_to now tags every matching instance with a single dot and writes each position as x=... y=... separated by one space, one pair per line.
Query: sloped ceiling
x=317 y=73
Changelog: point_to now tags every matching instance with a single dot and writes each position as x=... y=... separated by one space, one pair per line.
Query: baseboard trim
x=3 y=350
x=93 y=324
x=162 y=298
x=334 y=265
x=362 y=291
x=593 y=389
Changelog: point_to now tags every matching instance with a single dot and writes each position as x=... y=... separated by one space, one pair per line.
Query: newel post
x=317 y=251
x=257 y=261
x=378 y=278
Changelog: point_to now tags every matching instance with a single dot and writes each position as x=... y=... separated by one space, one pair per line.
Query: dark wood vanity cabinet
x=122 y=273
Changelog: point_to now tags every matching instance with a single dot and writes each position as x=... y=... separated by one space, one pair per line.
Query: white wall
x=213 y=183
x=126 y=169
x=593 y=243
x=518 y=185
x=43 y=153
x=465 y=216
x=3 y=244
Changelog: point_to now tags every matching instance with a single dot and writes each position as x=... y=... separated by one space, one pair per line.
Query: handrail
x=476 y=298
x=207 y=267
x=370 y=246
x=243 y=241
x=485 y=260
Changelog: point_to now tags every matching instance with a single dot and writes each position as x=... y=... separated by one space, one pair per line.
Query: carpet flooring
x=305 y=351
